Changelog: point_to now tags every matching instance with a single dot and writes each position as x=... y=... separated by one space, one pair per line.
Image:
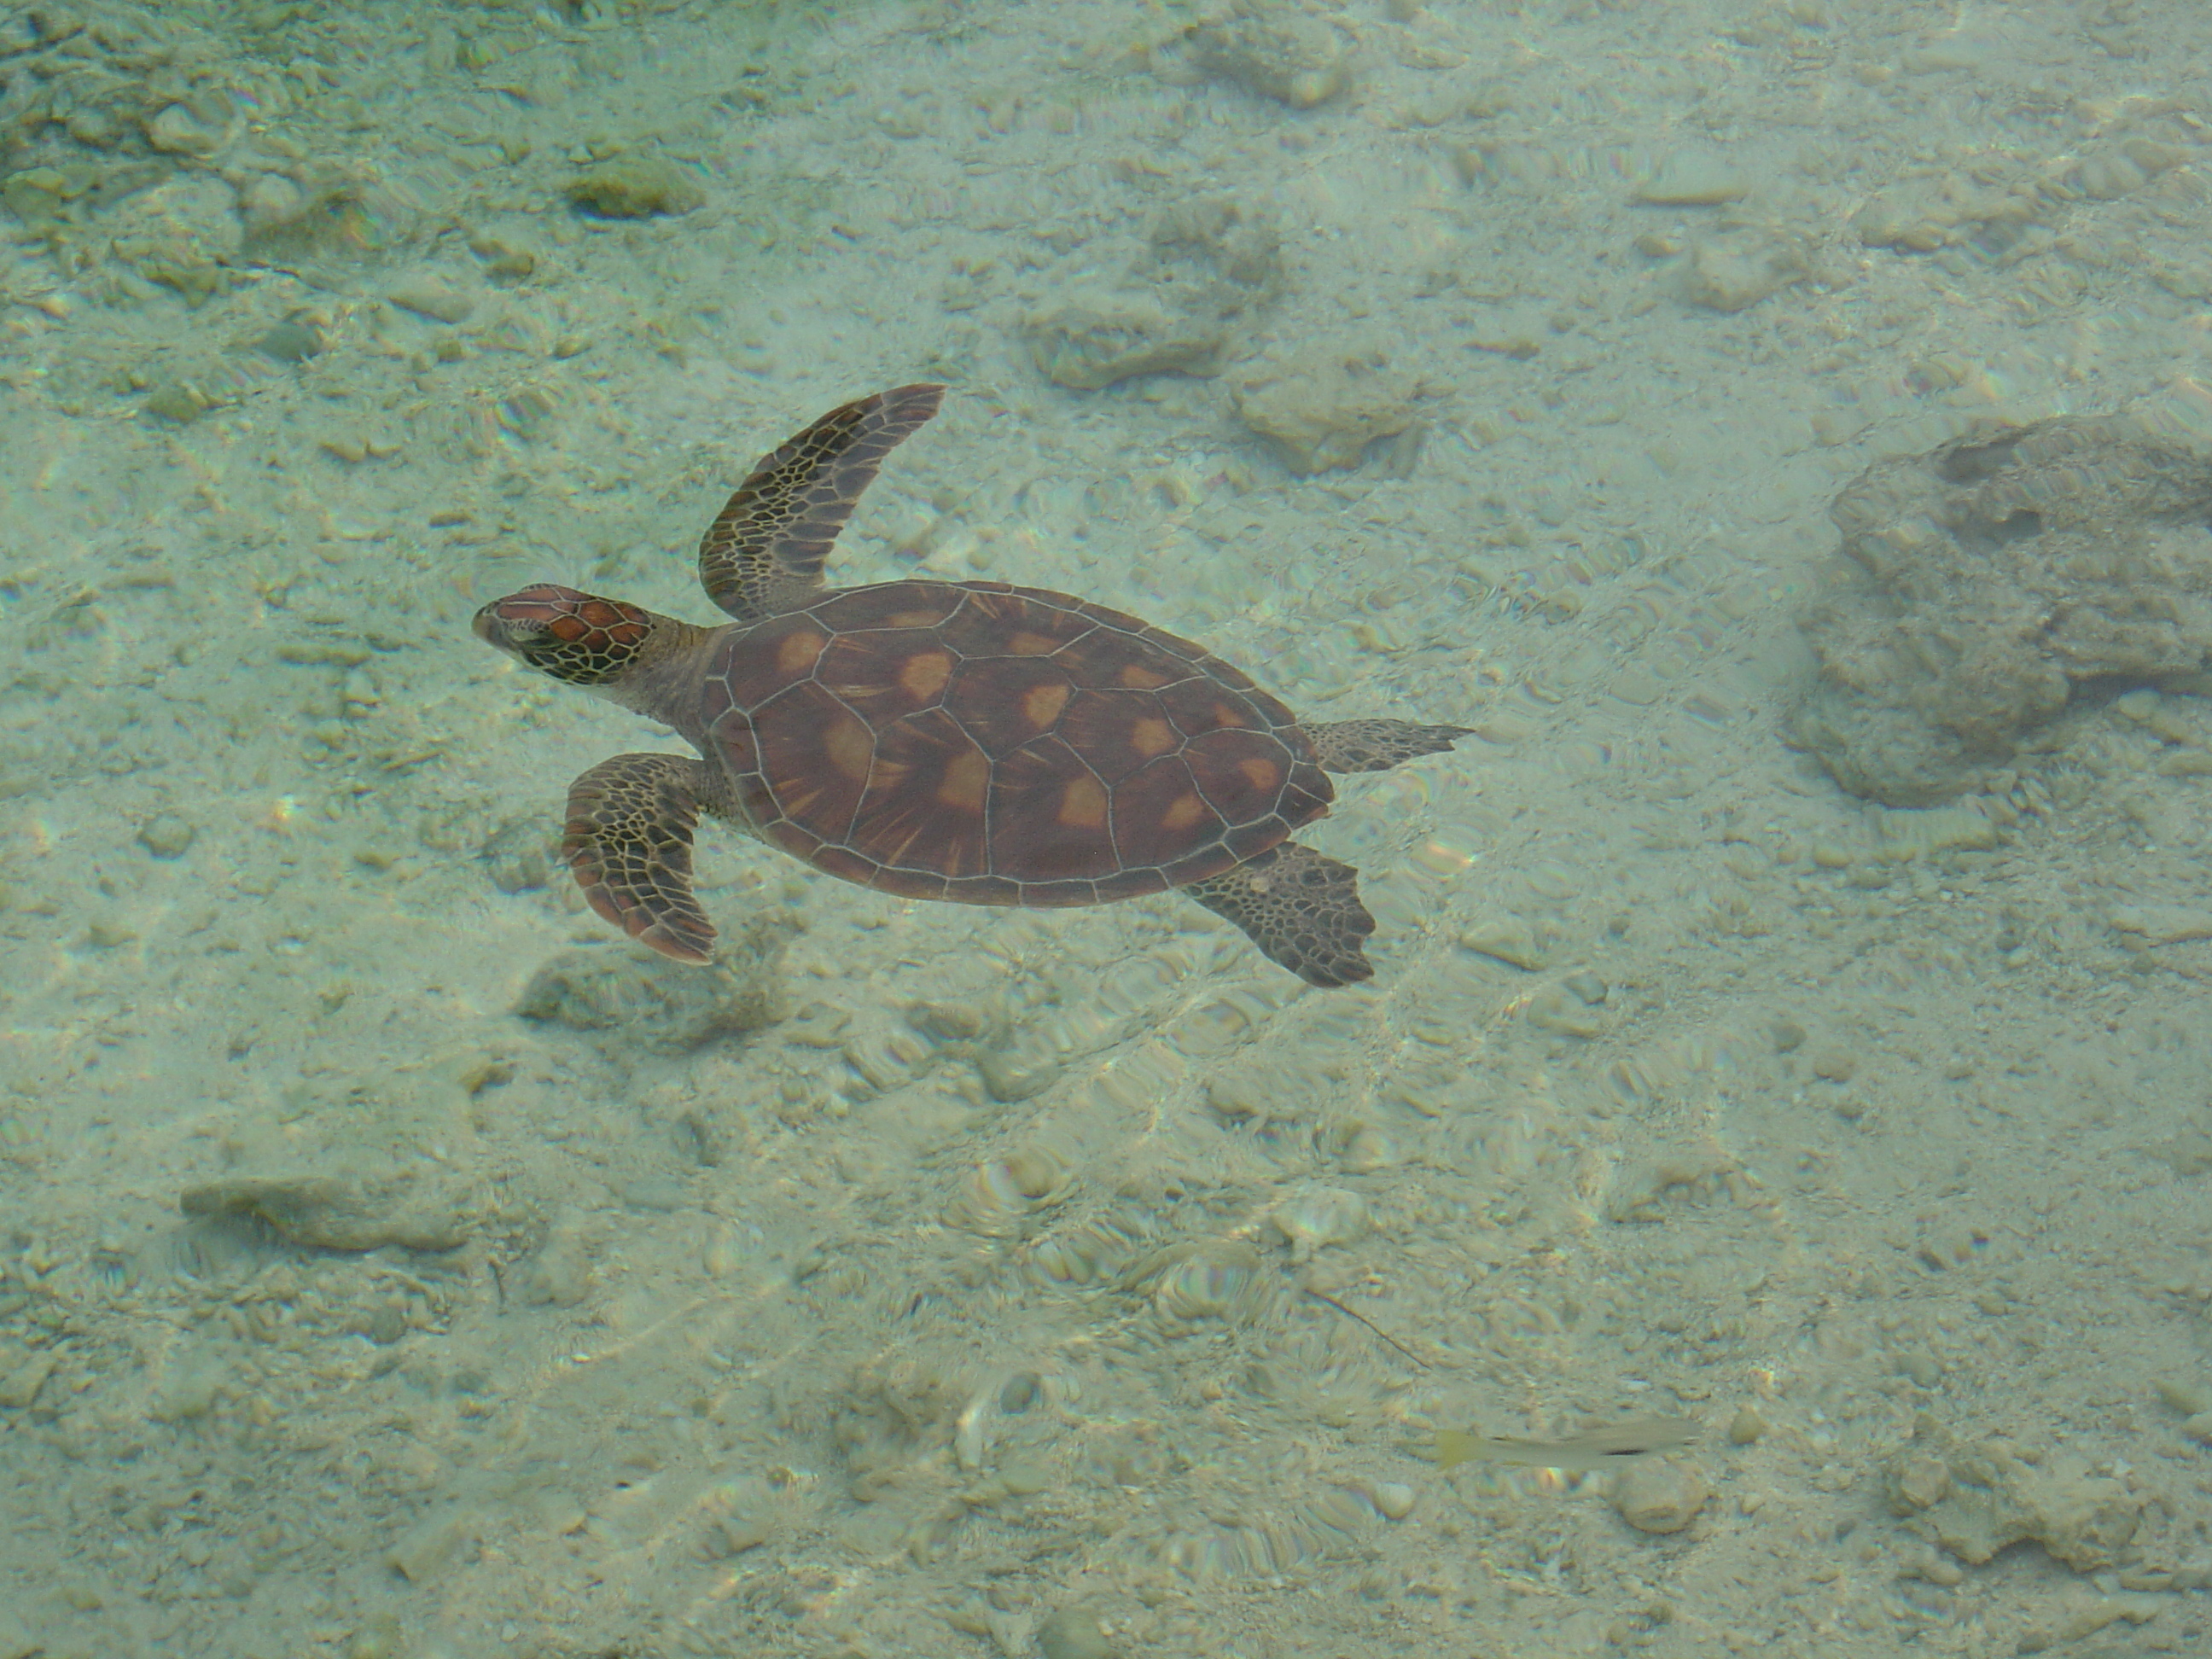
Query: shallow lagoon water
x=398 y=1263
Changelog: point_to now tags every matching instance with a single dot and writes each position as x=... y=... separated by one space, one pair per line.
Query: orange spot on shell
x=967 y=780
x=851 y=747
x=1261 y=774
x=1083 y=804
x=1183 y=812
x=799 y=802
x=1227 y=714
x=1041 y=704
x=912 y=619
x=1026 y=644
x=1151 y=736
x=799 y=652
x=925 y=673
x=1139 y=678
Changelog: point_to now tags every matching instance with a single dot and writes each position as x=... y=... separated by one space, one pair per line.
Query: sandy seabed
x=398 y=1265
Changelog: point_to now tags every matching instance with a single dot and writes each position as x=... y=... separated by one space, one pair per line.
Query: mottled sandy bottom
x=395 y=1264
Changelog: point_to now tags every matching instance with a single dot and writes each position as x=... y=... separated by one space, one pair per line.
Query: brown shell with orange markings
x=995 y=745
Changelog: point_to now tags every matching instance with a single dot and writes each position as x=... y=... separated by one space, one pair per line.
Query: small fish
x=1593 y=1448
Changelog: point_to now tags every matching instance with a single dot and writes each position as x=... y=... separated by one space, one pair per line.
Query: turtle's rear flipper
x=1301 y=909
x=628 y=841
x=1378 y=745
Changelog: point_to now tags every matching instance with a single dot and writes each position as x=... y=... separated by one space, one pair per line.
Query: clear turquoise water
x=398 y=1263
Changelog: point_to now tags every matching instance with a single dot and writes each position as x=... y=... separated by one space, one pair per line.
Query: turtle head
x=578 y=638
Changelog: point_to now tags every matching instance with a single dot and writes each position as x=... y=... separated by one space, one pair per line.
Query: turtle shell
x=995 y=745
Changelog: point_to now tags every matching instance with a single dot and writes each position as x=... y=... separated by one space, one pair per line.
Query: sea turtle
x=965 y=740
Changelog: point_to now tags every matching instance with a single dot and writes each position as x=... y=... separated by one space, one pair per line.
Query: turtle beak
x=496 y=631
x=518 y=621
x=493 y=628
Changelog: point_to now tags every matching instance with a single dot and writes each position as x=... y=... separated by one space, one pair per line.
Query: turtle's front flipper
x=629 y=842
x=1378 y=745
x=1302 y=909
x=764 y=552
